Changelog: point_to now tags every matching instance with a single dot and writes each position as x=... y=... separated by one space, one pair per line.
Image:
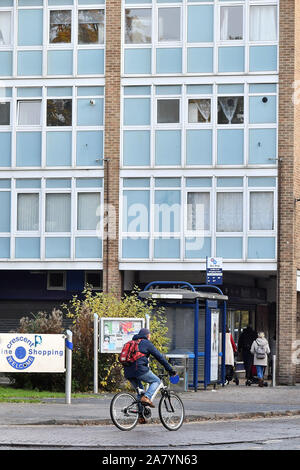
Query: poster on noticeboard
x=115 y=332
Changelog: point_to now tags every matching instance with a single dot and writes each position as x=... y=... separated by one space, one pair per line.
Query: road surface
x=252 y=434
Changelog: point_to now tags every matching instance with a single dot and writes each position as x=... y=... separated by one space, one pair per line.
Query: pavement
x=222 y=403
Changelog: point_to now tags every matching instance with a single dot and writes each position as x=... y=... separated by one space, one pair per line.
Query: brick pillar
x=112 y=279
x=297 y=172
x=286 y=291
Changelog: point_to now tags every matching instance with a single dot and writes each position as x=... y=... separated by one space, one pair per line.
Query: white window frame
x=28 y=191
x=7 y=100
x=198 y=233
x=58 y=191
x=213 y=190
x=82 y=8
x=137 y=7
x=29 y=100
x=230 y=42
x=74 y=45
x=89 y=232
x=11 y=42
x=64 y=45
x=216 y=43
x=168 y=98
x=165 y=43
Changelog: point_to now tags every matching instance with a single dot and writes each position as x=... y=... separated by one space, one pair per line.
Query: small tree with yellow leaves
x=81 y=311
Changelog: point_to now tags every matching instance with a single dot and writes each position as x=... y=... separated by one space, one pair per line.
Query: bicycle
x=125 y=408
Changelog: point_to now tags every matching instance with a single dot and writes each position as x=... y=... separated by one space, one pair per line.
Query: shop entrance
x=239 y=318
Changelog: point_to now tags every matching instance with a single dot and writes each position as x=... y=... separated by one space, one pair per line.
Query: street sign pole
x=68 y=384
x=96 y=343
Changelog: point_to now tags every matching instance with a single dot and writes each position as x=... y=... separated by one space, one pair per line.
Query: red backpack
x=130 y=353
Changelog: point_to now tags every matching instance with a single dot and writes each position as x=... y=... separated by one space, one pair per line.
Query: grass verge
x=9 y=394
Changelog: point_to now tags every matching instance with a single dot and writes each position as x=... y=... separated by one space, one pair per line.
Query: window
x=94 y=279
x=168 y=24
x=91 y=27
x=231 y=110
x=198 y=211
x=56 y=280
x=28 y=212
x=58 y=213
x=29 y=113
x=59 y=112
x=60 y=26
x=229 y=212
x=88 y=215
x=4 y=113
x=199 y=110
x=5 y=28
x=261 y=211
x=263 y=23
x=231 y=27
x=167 y=111
x=138 y=25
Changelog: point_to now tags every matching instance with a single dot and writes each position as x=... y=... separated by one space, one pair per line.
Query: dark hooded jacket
x=246 y=339
x=141 y=366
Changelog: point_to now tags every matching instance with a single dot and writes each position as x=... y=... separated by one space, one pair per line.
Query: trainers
x=142 y=420
x=145 y=400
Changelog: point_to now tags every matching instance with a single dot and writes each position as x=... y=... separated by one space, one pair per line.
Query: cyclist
x=139 y=371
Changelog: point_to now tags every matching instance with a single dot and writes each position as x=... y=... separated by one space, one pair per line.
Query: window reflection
x=59 y=112
x=199 y=110
x=231 y=110
x=91 y=27
x=60 y=26
x=137 y=25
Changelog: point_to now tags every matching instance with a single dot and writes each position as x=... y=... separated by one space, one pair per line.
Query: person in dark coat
x=246 y=339
x=139 y=371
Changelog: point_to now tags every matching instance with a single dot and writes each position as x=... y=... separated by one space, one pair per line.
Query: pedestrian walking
x=260 y=349
x=230 y=350
x=245 y=341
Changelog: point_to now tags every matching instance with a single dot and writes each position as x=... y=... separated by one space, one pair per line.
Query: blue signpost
x=214 y=271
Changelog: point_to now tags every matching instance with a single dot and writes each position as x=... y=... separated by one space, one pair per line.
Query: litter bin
x=179 y=363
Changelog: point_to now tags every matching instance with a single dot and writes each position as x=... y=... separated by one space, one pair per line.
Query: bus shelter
x=196 y=319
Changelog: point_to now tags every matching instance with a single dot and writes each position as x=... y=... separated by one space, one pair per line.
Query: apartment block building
x=139 y=137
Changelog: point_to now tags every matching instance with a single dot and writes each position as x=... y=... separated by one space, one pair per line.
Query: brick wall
x=297 y=164
x=112 y=279
x=287 y=296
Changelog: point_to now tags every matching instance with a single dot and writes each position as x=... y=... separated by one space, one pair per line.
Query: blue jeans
x=260 y=372
x=149 y=378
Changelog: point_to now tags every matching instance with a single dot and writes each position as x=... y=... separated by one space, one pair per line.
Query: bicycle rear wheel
x=171 y=411
x=124 y=411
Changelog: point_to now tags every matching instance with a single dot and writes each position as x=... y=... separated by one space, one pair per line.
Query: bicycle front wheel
x=171 y=411
x=124 y=411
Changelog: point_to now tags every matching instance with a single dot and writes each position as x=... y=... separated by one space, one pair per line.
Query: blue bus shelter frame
x=208 y=305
